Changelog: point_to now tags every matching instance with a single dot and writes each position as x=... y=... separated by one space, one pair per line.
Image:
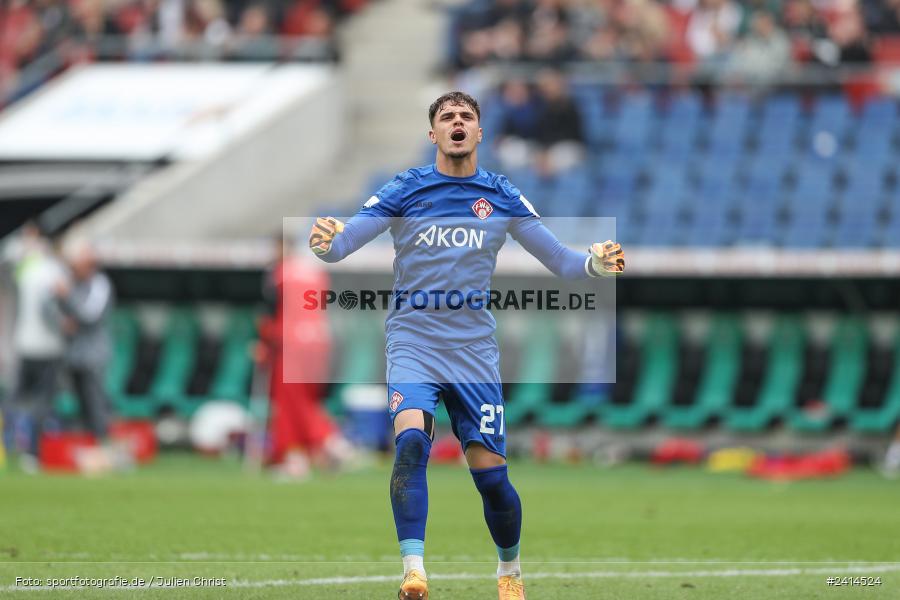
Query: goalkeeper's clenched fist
x=607 y=258
x=322 y=234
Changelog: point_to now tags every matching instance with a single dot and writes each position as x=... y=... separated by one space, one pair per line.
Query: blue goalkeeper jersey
x=447 y=232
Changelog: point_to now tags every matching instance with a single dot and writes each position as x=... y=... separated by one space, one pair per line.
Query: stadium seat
x=882 y=415
x=655 y=381
x=125 y=331
x=231 y=379
x=807 y=230
x=634 y=123
x=718 y=379
x=571 y=194
x=782 y=373
x=537 y=370
x=758 y=210
x=176 y=363
x=879 y=112
x=832 y=115
x=858 y=228
x=845 y=371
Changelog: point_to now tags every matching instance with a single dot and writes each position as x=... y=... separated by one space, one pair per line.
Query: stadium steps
x=656 y=379
x=717 y=384
x=782 y=374
x=883 y=416
x=845 y=371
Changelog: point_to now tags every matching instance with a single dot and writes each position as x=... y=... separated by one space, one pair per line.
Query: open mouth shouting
x=458 y=135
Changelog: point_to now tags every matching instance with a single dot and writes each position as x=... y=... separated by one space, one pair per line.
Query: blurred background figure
x=38 y=341
x=891 y=466
x=85 y=303
x=763 y=54
x=559 y=133
x=295 y=344
x=518 y=126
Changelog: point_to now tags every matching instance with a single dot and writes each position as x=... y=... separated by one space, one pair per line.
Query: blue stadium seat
x=858 y=228
x=634 y=122
x=828 y=128
x=711 y=222
x=775 y=140
x=717 y=177
x=685 y=106
x=571 y=194
x=661 y=229
x=807 y=230
x=628 y=229
x=618 y=207
x=832 y=114
x=677 y=137
x=725 y=130
x=879 y=113
x=813 y=185
x=873 y=144
x=775 y=133
x=783 y=109
x=758 y=218
x=612 y=191
x=620 y=171
x=890 y=236
x=766 y=172
x=597 y=124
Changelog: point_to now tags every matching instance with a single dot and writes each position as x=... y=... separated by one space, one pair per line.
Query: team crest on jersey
x=482 y=209
x=396 y=399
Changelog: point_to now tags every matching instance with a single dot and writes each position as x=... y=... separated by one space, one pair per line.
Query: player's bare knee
x=479 y=457
x=414 y=418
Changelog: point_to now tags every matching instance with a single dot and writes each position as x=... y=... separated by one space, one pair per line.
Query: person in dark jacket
x=86 y=304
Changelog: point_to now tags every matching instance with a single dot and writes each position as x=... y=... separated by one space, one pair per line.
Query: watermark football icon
x=482 y=209
x=396 y=399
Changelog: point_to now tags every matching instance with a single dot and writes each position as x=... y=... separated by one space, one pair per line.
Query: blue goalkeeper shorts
x=467 y=379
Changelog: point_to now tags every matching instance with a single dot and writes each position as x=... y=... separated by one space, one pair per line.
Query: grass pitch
x=631 y=532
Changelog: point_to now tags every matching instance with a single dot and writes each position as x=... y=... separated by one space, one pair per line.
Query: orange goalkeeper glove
x=607 y=258
x=322 y=234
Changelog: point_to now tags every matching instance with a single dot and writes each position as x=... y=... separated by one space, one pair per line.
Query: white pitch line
x=832 y=571
x=857 y=570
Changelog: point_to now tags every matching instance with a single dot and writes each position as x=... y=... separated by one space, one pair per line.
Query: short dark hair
x=453 y=98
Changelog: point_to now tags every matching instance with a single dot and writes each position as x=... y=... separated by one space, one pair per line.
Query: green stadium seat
x=572 y=413
x=537 y=370
x=126 y=332
x=653 y=388
x=884 y=418
x=176 y=362
x=718 y=380
x=846 y=369
x=235 y=367
x=783 y=371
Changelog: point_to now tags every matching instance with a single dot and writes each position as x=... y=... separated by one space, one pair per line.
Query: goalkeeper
x=448 y=221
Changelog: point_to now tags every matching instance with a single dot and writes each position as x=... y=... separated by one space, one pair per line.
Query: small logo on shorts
x=396 y=399
x=482 y=209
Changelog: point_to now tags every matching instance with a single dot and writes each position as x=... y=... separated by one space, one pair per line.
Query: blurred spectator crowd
x=746 y=39
x=66 y=32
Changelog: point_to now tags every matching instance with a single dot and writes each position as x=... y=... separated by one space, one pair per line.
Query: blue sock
x=409 y=490
x=502 y=509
